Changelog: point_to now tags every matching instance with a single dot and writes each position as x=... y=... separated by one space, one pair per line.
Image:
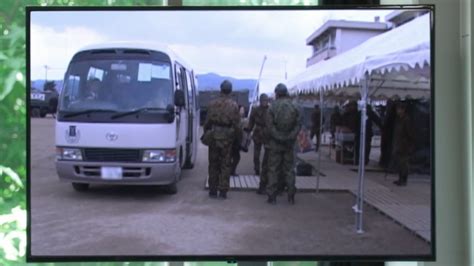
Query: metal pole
x=255 y=98
x=260 y=76
x=45 y=72
x=318 y=175
x=363 y=117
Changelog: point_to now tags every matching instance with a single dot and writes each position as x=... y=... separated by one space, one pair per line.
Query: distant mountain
x=212 y=81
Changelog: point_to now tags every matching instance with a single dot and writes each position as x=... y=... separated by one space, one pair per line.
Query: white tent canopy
x=393 y=54
x=395 y=62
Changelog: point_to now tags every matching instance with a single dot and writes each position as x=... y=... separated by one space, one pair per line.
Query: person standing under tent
x=403 y=143
x=336 y=120
x=387 y=133
x=316 y=125
x=372 y=117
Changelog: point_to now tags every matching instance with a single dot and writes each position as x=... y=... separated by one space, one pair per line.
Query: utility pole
x=255 y=99
x=257 y=89
x=46 y=73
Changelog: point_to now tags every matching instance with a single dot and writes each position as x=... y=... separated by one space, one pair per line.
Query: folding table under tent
x=396 y=62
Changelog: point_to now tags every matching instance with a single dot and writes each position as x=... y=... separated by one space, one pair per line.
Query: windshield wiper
x=136 y=111
x=88 y=112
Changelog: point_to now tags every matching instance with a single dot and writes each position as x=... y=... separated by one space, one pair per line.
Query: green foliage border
x=13 y=115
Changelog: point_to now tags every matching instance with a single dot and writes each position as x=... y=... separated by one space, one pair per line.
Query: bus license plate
x=111 y=173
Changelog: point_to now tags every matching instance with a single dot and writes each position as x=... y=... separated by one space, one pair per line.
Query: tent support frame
x=318 y=175
x=360 y=194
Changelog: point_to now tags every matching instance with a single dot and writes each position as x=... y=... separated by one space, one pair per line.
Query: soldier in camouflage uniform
x=403 y=143
x=282 y=126
x=257 y=124
x=223 y=120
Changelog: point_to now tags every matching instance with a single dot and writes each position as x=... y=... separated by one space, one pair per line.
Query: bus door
x=191 y=113
x=181 y=82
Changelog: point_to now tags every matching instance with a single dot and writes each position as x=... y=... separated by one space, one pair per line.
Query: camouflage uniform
x=281 y=158
x=235 y=158
x=403 y=144
x=257 y=120
x=224 y=120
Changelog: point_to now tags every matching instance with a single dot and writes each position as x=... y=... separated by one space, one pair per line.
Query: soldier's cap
x=281 y=89
x=226 y=87
x=263 y=97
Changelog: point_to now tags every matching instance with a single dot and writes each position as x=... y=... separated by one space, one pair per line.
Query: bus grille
x=112 y=155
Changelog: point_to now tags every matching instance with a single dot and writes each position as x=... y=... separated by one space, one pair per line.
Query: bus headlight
x=68 y=154
x=160 y=156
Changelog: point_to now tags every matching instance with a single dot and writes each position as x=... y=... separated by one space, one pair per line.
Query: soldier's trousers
x=403 y=166
x=235 y=159
x=219 y=166
x=281 y=163
x=264 y=172
x=317 y=133
x=257 y=147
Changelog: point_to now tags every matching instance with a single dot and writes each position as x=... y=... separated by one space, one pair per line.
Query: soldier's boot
x=261 y=189
x=223 y=194
x=213 y=193
x=291 y=199
x=403 y=180
x=400 y=182
x=272 y=199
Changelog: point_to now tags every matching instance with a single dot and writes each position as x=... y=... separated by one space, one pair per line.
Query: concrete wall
x=345 y=39
x=349 y=38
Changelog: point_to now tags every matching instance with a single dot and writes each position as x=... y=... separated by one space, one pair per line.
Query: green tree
x=13 y=168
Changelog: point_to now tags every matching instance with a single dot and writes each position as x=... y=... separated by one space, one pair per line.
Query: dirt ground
x=131 y=220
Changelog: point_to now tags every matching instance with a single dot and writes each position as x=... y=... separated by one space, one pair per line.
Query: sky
x=229 y=43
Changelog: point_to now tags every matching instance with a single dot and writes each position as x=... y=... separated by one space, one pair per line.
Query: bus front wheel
x=172 y=188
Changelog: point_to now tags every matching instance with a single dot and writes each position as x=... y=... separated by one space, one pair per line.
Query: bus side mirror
x=179 y=98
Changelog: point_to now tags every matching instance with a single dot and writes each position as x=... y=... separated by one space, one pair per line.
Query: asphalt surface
x=134 y=221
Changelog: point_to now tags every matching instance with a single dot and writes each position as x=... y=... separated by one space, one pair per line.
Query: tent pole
x=363 y=118
x=318 y=175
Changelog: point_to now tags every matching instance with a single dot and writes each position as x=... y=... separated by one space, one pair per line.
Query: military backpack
x=285 y=116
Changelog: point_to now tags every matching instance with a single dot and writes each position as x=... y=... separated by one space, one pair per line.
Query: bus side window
x=181 y=80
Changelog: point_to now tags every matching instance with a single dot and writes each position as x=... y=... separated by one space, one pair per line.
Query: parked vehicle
x=43 y=103
x=127 y=115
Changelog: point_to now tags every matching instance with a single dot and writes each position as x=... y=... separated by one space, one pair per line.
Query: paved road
x=129 y=220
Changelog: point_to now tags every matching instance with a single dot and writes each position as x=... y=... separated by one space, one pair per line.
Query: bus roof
x=139 y=45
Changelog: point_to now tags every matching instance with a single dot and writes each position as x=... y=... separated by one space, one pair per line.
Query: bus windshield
x=116 y=86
